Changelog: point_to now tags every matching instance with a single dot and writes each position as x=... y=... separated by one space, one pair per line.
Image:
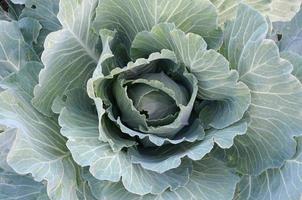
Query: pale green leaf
x=7 y=138
x=277 y=10
x=45 y=12
x=103 y=162
x=70 y=54
x=275 y=184
x=105 y=190
x=210 y=180
x=178 y=90
x=108 y=165
x=133 y=16
x=276 y=108
x=18 y=1
x=39 y=148
x=79 y=123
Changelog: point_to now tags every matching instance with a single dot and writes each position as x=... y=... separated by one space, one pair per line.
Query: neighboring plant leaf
x=283 y=10
x=292 y=35
x=7 y=138
x=296 y=61
x=18 y=1
x=277 y=10
x=4 y=15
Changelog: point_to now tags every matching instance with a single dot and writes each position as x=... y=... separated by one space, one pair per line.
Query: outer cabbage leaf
x=168 y=157
x=84 y=143
x=296 y=61
x=132 y=17
x=275 y=111
x=277 y=10
x=111 y=190
x=283 y=10
x=70 y=54
x=210 y=180
x=7 y=137
x=275 y=184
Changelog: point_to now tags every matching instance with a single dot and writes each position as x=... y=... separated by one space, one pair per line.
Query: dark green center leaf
x=152 y=102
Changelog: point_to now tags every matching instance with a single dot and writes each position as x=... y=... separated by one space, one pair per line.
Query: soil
x=4 y=5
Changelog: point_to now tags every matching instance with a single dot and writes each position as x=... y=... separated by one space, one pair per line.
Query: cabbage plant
x=150 y=99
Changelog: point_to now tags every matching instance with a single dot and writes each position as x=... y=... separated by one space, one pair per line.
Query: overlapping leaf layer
x=149 y=99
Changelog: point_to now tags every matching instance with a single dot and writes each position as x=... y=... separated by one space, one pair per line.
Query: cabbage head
x=150 y=100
